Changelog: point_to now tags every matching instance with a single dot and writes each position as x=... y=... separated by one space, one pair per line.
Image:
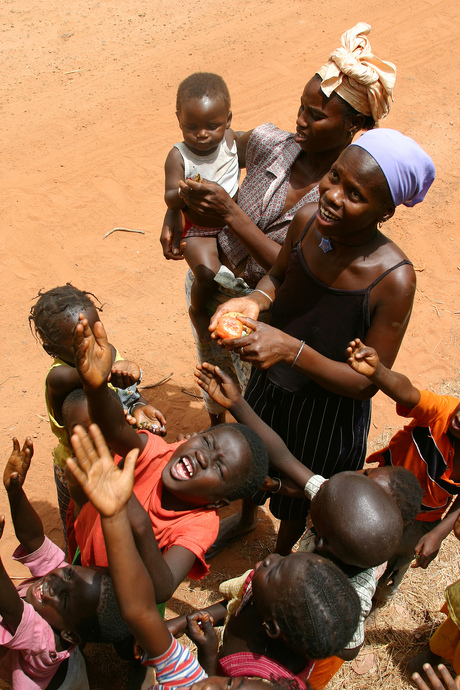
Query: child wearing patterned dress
x=207 y=152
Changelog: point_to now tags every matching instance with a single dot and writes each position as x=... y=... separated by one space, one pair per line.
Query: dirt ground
x=87 y=96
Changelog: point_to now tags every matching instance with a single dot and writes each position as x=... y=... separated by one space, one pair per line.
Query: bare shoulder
x=392 y=257
x=301 y=219
x=174 y=158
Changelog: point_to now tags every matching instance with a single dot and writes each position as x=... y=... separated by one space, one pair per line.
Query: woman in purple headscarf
x=337 y=277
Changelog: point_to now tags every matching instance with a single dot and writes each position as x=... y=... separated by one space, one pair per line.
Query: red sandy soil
x=88 y=93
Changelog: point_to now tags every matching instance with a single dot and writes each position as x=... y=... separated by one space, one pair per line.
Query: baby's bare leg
x=202 y=256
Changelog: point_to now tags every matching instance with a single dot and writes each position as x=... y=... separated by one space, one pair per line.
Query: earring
x=381 y=222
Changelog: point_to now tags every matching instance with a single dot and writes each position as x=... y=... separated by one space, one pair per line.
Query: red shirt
x=425 y=448
x=195 y=530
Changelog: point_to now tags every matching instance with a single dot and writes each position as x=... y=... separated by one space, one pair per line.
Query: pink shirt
x=31 y=658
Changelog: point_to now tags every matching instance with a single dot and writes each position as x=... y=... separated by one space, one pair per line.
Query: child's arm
x=445 y=682
x=174 y=171
x=200 y=629
x=27 y=525
x=109 y=489
x=365 y=360
x=427 y=548
x=94 y=361
x=222 y=389
x=11 y=605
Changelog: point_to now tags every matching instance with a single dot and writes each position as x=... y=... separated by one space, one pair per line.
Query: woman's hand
x=18 y=465
x=264 y=347
x=207 y=198
x=243 y=305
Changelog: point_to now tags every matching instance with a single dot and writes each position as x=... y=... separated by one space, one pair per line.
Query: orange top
x=426 y=449
x=195 y=530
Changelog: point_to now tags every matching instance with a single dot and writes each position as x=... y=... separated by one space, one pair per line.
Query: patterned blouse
x=270 y=155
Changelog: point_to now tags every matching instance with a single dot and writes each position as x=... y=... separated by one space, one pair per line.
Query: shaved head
x=356 y=520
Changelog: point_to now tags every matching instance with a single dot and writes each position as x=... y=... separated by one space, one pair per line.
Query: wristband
x=298 y=354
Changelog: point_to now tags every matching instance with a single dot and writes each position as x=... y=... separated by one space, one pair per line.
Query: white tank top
x=221 y=166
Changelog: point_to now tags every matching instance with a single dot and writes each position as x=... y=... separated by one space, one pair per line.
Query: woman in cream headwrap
x=283 y=171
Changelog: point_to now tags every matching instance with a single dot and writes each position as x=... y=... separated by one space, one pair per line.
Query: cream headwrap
x=361 y=79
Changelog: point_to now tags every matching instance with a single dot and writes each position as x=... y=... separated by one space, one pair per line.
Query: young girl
x=287 y=612
x=49 y=615
x=54 y=316
x=209 y=152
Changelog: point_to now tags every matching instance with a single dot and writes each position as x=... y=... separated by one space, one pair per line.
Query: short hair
x=56 y=305
x=254 y=476
x=106 y=625
x=406 y=491
x=321 y=617
x=202 y=84
x=361 y=517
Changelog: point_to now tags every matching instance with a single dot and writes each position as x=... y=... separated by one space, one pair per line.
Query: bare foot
x=234 y=526
x=415 y=664
x=200 y=320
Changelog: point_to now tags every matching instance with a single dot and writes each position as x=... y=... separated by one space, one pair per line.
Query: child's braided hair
x=321 y=617
x=54 y=306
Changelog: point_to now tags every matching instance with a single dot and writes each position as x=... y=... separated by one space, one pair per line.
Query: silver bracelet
x=265 y=295
x=298 y=354
x=279 y=485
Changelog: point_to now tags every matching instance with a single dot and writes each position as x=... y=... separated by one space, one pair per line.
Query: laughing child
x=180 y=485
x=50 y=614
x=294 y=609
x=208 y=152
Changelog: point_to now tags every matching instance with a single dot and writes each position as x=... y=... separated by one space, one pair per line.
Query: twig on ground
x=192 y=395
x=158 y=383
x=12 y=376
x=140 y=232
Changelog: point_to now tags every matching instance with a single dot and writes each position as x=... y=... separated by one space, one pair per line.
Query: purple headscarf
x=409 y=171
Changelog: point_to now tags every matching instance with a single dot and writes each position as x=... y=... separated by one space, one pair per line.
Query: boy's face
x=454 y=424
x=66 y=596
x=204 y=469
x=203 y=122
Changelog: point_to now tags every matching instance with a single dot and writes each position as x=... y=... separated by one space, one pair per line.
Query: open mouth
x=183 y=469
x=326 y=216
x=37 y=590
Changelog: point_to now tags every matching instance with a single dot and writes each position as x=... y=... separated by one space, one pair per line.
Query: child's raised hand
x=201 y=631
x=217 y=384
x=93 y=355
x=18 y=465
x=106 y=486
x=446 y=682
x=361 y=358
x=124 y=373
x=148 y=417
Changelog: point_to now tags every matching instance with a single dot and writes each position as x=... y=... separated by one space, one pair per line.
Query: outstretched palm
x=217 y=384
x=92 y=353
x=106 y=486
x=18 y=465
